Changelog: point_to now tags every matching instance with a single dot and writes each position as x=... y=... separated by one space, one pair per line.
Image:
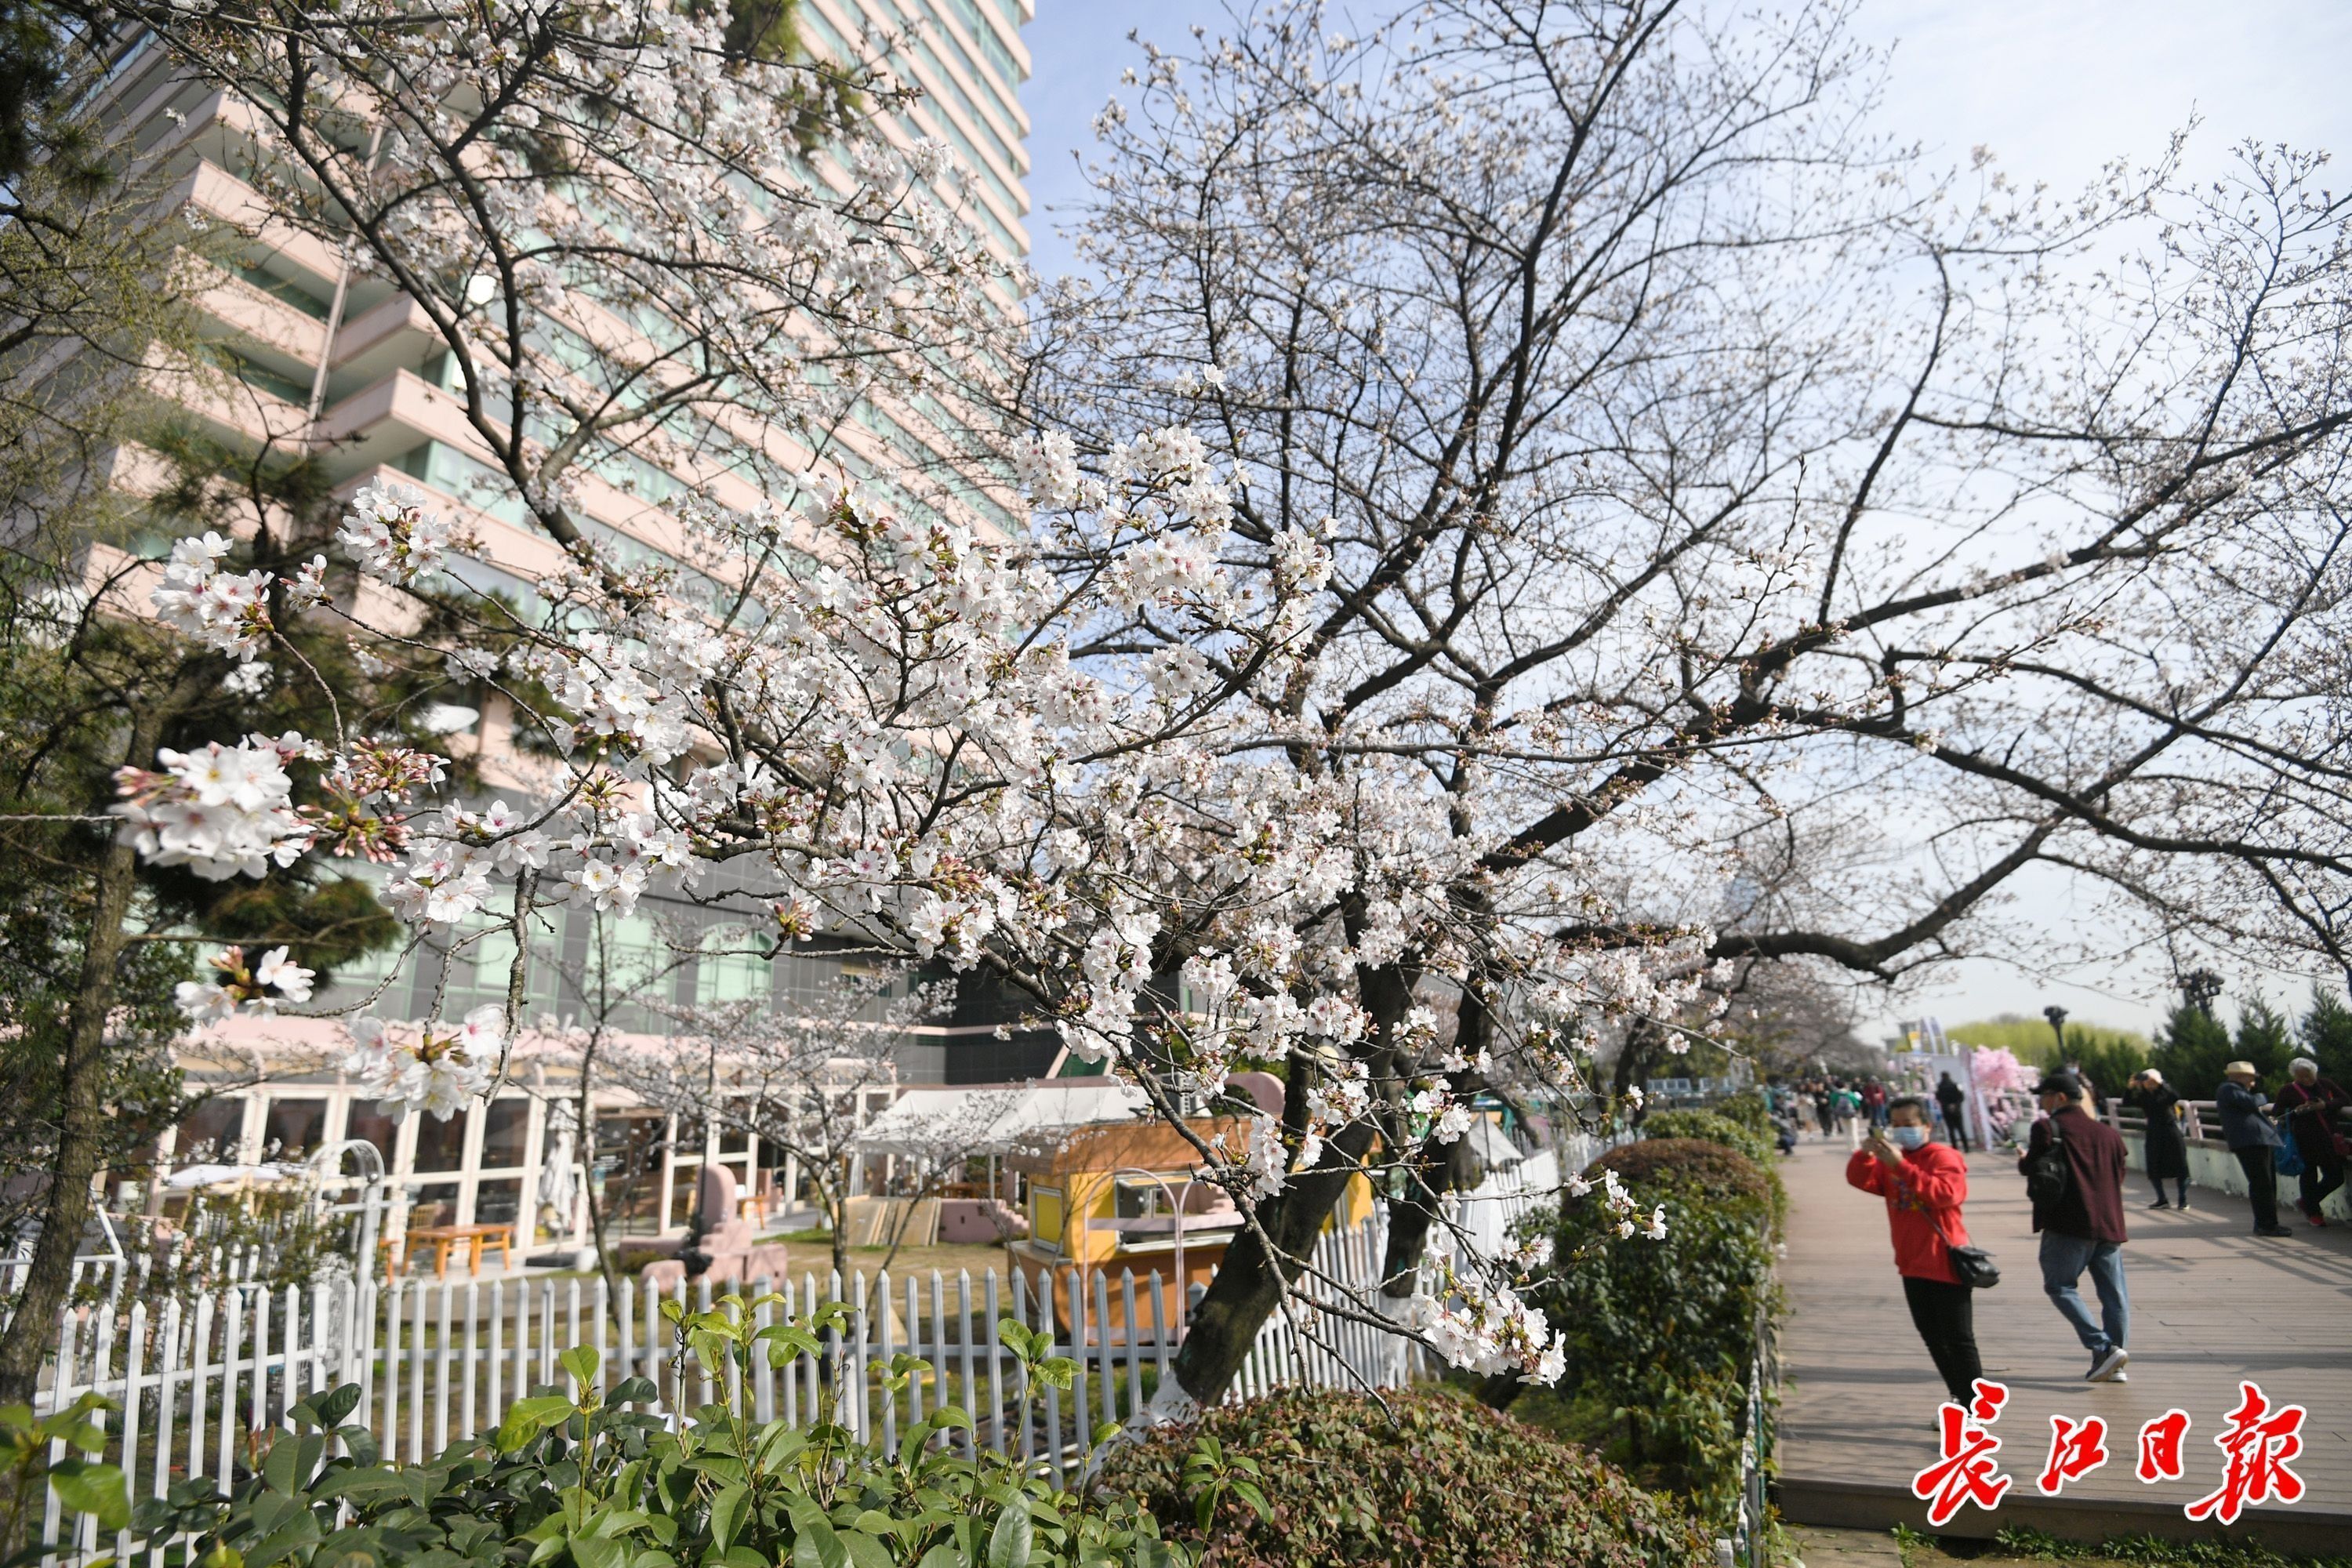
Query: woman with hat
x=2311 y=1103
x=2165 y=1148
x=2246 y=1127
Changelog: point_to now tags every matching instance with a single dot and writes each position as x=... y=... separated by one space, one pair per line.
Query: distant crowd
x=1832 y=1104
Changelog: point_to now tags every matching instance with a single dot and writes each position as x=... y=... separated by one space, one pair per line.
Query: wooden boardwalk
x=2211 y=1303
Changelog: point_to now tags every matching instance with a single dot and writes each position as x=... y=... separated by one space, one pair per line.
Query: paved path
x=2210 y=1303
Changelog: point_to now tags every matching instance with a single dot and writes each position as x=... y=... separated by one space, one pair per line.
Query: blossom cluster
x=221 y=811
x=260 y=987
x=390 y=532
x=1621 y=1201
x=438 y=1068
x=1486 y=1328
x=220 y=608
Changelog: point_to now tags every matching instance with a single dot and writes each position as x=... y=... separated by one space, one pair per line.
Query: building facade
x=342 y=364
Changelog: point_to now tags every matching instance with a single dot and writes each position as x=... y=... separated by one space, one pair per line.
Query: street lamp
x=2200 y=986
x=2057 y=1016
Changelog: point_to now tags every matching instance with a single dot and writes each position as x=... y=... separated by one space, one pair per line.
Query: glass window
x=734 y=1137
x=212 y=1131
x=498 y=1203
x=435 y=1203
x=729 y=977
x=1046 y=1217
x=365 y=1121
x=505 y=1134
x=441 y=1145
x=295 y=1128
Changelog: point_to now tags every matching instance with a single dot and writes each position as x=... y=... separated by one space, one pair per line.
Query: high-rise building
x=339 y=363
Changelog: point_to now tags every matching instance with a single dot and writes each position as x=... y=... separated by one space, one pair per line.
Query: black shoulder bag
x=2049 y=1174
x=1974 y=1265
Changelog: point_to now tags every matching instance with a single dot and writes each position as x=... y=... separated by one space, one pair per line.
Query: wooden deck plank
x=2210 y=1303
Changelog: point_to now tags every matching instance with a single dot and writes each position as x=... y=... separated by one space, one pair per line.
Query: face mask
x=1907 y=1137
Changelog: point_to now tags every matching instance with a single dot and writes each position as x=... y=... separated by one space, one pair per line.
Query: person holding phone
x=2165 y=1147
x=1925 y=1183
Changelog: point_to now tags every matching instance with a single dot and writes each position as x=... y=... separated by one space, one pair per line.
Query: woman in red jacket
x=1925 y=1184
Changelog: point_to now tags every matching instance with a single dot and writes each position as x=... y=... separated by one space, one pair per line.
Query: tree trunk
x=836 y=1204
x=1449 y=1168
x=1434 y=1170
x=82 y=1129
x=583 y=1139
x=81 y=1133
x=1636 y=1057
x=1248 y=1287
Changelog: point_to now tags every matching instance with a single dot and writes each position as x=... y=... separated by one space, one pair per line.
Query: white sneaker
x=2110 y=1367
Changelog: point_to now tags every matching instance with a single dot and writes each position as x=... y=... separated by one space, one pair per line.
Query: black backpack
x=2049 y=1174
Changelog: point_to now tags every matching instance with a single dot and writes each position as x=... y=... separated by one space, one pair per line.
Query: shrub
x=1711 y=1127
x=1695 y=1170
x=1749 y=1110
x=1444 y=1482
x=1660 y=1332
x=1724 y=1182
x=573 y=1476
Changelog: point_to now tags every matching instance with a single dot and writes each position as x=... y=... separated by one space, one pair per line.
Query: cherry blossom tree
x=640 y=244
x=1520 y=458
x=801 y=1076
x=1687 y=469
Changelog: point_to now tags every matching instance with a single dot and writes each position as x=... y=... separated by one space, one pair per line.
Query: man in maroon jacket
x=2082 y=1227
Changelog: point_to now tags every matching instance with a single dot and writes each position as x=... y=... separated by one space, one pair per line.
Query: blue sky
x=2055 y=88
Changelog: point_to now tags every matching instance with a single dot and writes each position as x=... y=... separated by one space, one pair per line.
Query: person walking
x=2165 y=1148
x=2311 y=1103
x=1924 y=1184
x=2082 y=1222
x=1952 y=1101
x=2246 y=1129
x=1847 y=1103
x=1874 y=1102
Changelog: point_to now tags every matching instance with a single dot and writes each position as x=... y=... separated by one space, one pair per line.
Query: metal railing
x=1749 y=1545
x=2200 y=1120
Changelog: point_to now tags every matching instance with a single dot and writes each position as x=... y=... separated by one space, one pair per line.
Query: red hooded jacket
x=1923 y=1195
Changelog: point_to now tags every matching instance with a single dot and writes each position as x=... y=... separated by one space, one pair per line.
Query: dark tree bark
x=82 y=1131
x=1249 y=1283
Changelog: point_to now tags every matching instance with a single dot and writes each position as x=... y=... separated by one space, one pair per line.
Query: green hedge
x=1712 y=1128
x=1659 y=1333
x=1444 y=1483
x=1749 y=1110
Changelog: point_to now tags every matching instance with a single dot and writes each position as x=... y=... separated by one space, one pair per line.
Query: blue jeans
x=2064 y=1259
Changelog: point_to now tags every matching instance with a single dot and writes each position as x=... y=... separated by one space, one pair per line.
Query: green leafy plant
x=1709 y=1127
x=1749 y=1110
x=1414 y=1479
x=83 y=1487
x=1660 y=1336
x=573 y=1477
x=1210 y=1473
x=2151 y=1550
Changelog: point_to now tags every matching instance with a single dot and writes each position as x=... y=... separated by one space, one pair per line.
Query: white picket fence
x=198 y=1385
